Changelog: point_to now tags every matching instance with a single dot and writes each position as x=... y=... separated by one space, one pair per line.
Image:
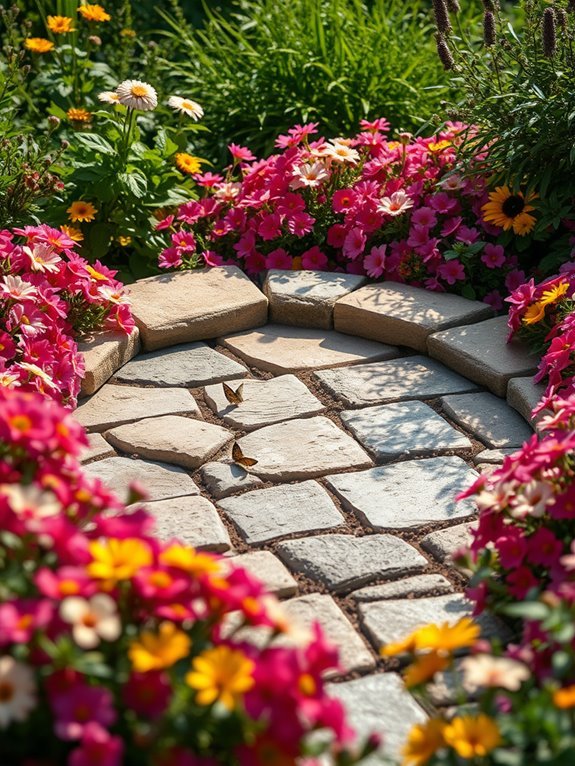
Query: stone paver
x=265 y=402
x=160 y=480
x=302 y=449
x=269 y=570
x=414 y=377
x=488 y=418
x=115 y=405
x=223 y=479
x=523 y=395
x=189 y=365
x=405 y=315
x=403 y=429
x=267 y=514
x=445 y=542
x=379 y=704
x=194 y=305
x=345 y=562
x=104 y=354
x=97 y=449
x=280 y=349
x=494 y=456
x=306 y=298
x=172 y=439
x=191 y=519
x=410 y=587
x=481 y=352
x=406 y=494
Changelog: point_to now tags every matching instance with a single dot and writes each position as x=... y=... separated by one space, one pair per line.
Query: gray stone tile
x=191 y=519
x=97 y=449
x=189 y=365
x=488 y=418
x=523 y=395
x=302 y=449
x=494 y=456
x=223 y=479
x=403 y=429
x=410 y=587
x=481 y=352
x=264 y=402
x=445 y=542
x=160 y=480
x=269 y=570
x=344 y=562
x=414 y=377
x=406 y=494
x=280 y=349
x=171 y=439
x=267 y=514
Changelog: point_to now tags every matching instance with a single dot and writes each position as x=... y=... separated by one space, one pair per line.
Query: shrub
x=113 y=645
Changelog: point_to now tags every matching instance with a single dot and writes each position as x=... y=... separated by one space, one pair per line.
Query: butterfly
x=234 y=397
x=240 y=459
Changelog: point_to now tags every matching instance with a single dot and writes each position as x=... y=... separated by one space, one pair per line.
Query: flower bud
x=444 y=53
x=489 y=32
x=453 y=6
x=53 y=121
x=549 y=33
x=562 y=19
x=404 y=138
x=95 y=40
x=441 y=17
x=490 y=5
x=65 y=144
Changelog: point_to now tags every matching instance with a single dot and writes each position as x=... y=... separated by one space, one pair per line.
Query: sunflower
x=78 y=115
x=93 y=13
x=510 y=210
x=60 y=25
x=81 y=211
x=187 y=163
x=38 y=44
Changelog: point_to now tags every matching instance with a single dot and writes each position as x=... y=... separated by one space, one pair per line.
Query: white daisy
x=340 y=151
x=17 y=691
x=109 y=97
x=136 y=94
x=17 y=288
x=91 y=619
x=309 y=174
x=397 y=204
x=482 y=670
x=43 y=258
x=38 y=372
x=186 y=106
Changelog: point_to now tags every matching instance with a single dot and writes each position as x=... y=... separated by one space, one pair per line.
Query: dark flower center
x=513 y=205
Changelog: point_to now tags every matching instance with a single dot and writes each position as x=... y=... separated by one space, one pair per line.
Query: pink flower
x=270 y=226
x=170 y=258
x=512 y=548
x=374 y=262
x=240 y=153
x=544 y=547
x=147 y=694
x=211 y=258
x=443 y=203
x=494 y=300
x=79 y=706
x=493 y=256
x=314 y=259
x=300 y=224
x=98 y=748
x=354 y=243
x=424 y=216
x=336 y=235
x=278 y=259
x=520 y=582
x=452 y=271
x=343 y=200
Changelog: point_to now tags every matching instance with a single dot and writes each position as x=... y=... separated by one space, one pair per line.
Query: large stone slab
x=488 y=418
x=443 y=543
x=279 y=349
x=306 y=298
x=302 y=449
x=97 y=449
x=345 y=562
x=405 y=315
x=406 y=494
x=492 y=456
x=189 y=365
x=410 y=587
x=104 y=354
x=481 y=352
x=379 y=704
x=191 y=519
x=264 y=402
x=223 y=479
x=414 y=377
x=269 y=570
x=523 y=395
x=172 y=439
x=185 y=306
x=115 y=405
x=266 y=514
x=160 y=481
x=403 y=429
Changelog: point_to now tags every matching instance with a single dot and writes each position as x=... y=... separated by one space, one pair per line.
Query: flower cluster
x=392 y=209
x=48 y=297
x=64 y=25
x=118 y=648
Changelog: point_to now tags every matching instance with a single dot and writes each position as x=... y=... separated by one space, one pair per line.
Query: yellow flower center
x=139 y=91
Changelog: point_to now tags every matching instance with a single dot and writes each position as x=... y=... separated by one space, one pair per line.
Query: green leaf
x=95 y=142
x=135 y=183
x=528 y=610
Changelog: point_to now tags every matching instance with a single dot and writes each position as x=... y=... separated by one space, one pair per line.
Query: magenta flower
x=374 y=262
x=354 y=243
x=493 y=256
x=98 y=748
x=452 y=271
x=79 y=706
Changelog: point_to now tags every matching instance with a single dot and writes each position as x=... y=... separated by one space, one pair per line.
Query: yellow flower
x=81 y=211
x=187 y=163
x=448 y=638
x=124 y=241
x=78 y=115
x=439 y=146
x=189 y=560
x=509 y=210
x=472 y=736
x=155 y=651
x=60 y=25
x=535 y=313
x=423 y=741
x=38 y=44
x=127 y=32
x=424 y=668
x=93 y=13
x=97 y=275
x=552 y=295
x=114 y=559
x=221 y=675
x=72 y=232
x=405 y=646
x=564 y=698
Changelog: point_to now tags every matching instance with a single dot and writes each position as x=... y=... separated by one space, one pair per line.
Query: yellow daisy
x=38 y=44
x=187 y=163
x=221 y=675
x=510 y=210
x=423 y=741
x=60 y=25
x=534 y=314
x=81 y=211
x=72 y=232
x=472 y=736
x=93 y=12
x=78 y=115
x=552 y=295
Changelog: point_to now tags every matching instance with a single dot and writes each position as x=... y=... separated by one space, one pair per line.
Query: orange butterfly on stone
x=240 y=459
x=234 y=397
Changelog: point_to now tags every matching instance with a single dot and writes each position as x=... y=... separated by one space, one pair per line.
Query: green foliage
x=272 y=63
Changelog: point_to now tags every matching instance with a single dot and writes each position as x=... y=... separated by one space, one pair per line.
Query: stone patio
x=349 y=513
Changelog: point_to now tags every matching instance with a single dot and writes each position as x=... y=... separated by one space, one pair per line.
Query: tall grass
x=270 y=63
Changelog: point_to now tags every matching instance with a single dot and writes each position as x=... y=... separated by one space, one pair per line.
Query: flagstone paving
x=348 y=513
